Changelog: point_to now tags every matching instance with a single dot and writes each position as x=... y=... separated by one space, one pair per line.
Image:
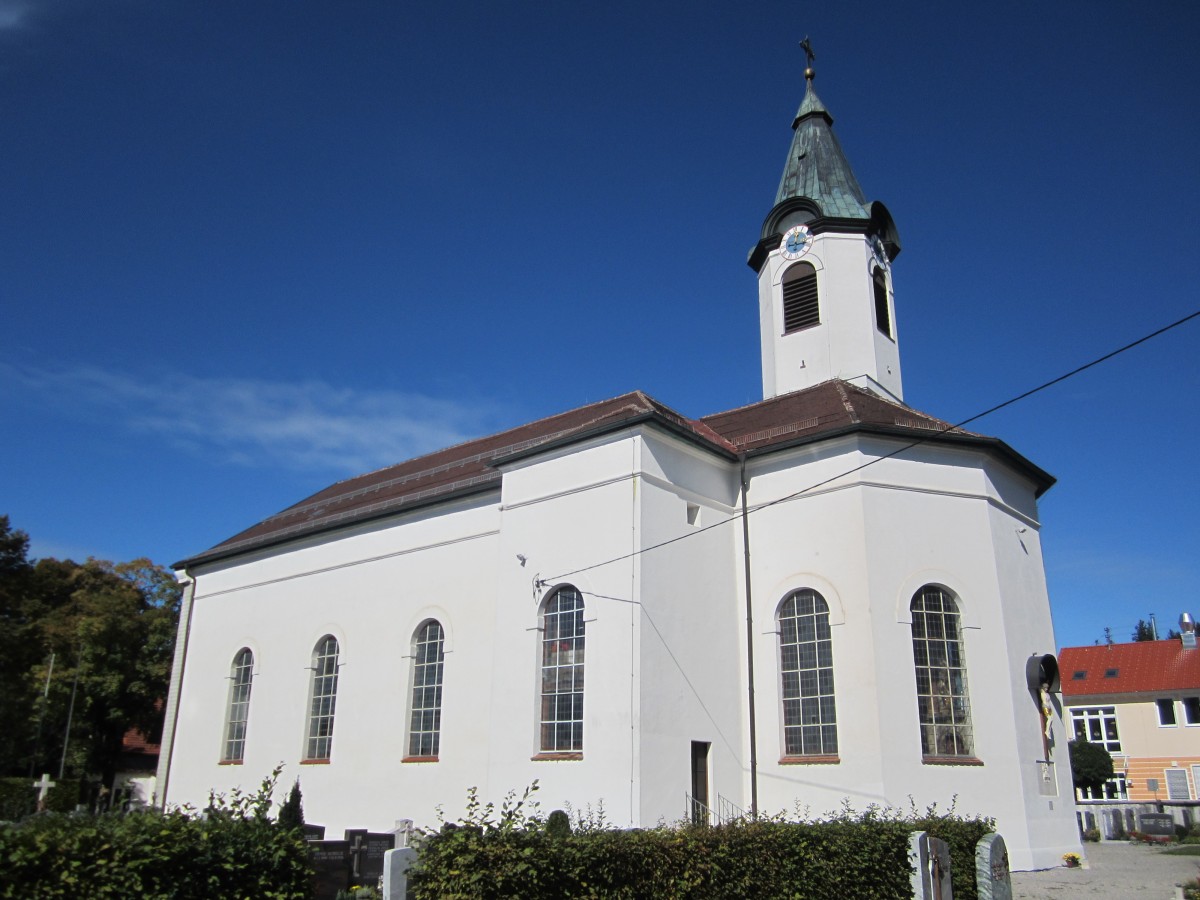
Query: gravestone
x=396 y=864
x=403 y=832
x=43 y=785
x=314 y=832
x=1157 y=826
x=992 y=879
x=930 y=859
x=331 y=868
x=366 y=854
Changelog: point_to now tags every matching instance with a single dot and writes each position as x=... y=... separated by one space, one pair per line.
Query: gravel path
x=1117 y=871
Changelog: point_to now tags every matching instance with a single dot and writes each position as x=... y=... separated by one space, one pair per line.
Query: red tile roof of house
x=135 y=742
x=818 y=413
x=1140 y=667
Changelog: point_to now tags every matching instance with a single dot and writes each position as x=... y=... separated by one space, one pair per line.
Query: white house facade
x=824 y=596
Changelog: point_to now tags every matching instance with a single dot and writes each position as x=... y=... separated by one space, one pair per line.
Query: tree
x=21 y=651
x=1091 y=764
x=291 y=811
x=1144 y=631
x=110 y=628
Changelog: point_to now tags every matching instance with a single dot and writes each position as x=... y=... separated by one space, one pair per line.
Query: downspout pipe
x=171 y=713
x=749 y=641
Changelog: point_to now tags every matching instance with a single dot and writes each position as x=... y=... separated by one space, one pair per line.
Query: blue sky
x=251 y=248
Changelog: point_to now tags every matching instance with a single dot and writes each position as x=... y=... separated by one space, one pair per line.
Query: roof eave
x=218 y=553
x=649 y=417
x=1041 y=479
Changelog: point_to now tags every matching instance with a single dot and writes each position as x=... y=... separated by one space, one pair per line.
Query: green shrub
x=231 y=850
x=512 y=854
x=18 y=797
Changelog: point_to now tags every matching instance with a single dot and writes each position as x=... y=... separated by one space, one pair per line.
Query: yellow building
x=1141 y=701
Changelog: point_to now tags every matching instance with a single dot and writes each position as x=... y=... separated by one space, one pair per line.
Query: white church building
x=824 y=596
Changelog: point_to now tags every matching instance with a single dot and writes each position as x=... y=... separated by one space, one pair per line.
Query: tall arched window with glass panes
x=562 y=649
x=241 y=677
x=322 y=700
x=943 y=704
x=425 y=714
x=806 y=676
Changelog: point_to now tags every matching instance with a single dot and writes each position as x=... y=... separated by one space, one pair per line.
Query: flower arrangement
x=1071 y=860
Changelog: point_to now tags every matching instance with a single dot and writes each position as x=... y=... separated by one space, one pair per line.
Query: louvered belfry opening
x=800 y=306
x=883 y=321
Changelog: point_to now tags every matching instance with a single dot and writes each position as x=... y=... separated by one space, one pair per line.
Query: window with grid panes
x=323 y=692
x=241 y=674
x=562 y=672
x=806 y=674
x=1097 y=725
x=425 y=720
x=943 y=704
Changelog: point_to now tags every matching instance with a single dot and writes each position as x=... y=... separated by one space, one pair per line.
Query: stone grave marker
x=1157 y=826
x=314 y=832
x=331 y=868
x=396 y=864
x=930 y=859
x=992 y=878
x=366 y=854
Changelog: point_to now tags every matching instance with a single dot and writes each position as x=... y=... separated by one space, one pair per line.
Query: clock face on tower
x=796 y=242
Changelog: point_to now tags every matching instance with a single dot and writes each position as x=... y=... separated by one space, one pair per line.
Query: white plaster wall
x=911 y=523
x=847 y=344
x=691 y=685
x=371 y=587
x=666 y=632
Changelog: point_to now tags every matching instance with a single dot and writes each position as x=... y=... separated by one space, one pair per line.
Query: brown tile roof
x=135 y=742
x=817 y=413
x=830 y=406
x=1140 y=667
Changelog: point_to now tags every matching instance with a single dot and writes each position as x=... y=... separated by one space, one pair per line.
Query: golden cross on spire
x=806 y=46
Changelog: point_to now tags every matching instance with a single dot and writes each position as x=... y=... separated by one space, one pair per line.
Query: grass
x=1184 y=850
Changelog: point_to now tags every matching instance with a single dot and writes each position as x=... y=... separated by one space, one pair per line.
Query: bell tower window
x=801 y=308
x=883 y=321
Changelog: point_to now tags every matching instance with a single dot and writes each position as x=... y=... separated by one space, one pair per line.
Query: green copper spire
x=816 y=166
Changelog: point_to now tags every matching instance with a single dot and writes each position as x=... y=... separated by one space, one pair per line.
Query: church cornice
x=994 y=447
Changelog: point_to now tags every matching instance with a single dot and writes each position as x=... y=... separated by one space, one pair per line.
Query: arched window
x=562 y=672
x=324 y=699
x=942 y=701
x=883 y=319
x=800 y=306
x=425 y=720
x=241 y=674
x=806 y=671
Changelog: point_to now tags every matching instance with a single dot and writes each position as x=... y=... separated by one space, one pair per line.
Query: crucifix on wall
x=1041 y=674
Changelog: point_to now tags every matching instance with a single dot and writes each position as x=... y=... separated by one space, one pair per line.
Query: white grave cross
x=43 y=785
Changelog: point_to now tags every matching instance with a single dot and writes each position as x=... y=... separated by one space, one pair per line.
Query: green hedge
x=18 y=797
x=861 y=856
x=232 y=850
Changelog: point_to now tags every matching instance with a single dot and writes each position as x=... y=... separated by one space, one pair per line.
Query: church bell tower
x=824 y=263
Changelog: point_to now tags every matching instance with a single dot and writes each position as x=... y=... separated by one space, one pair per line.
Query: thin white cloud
x=307 y=425
x=12 y=13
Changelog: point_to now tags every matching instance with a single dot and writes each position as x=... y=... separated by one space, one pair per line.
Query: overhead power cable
x=908 y=446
